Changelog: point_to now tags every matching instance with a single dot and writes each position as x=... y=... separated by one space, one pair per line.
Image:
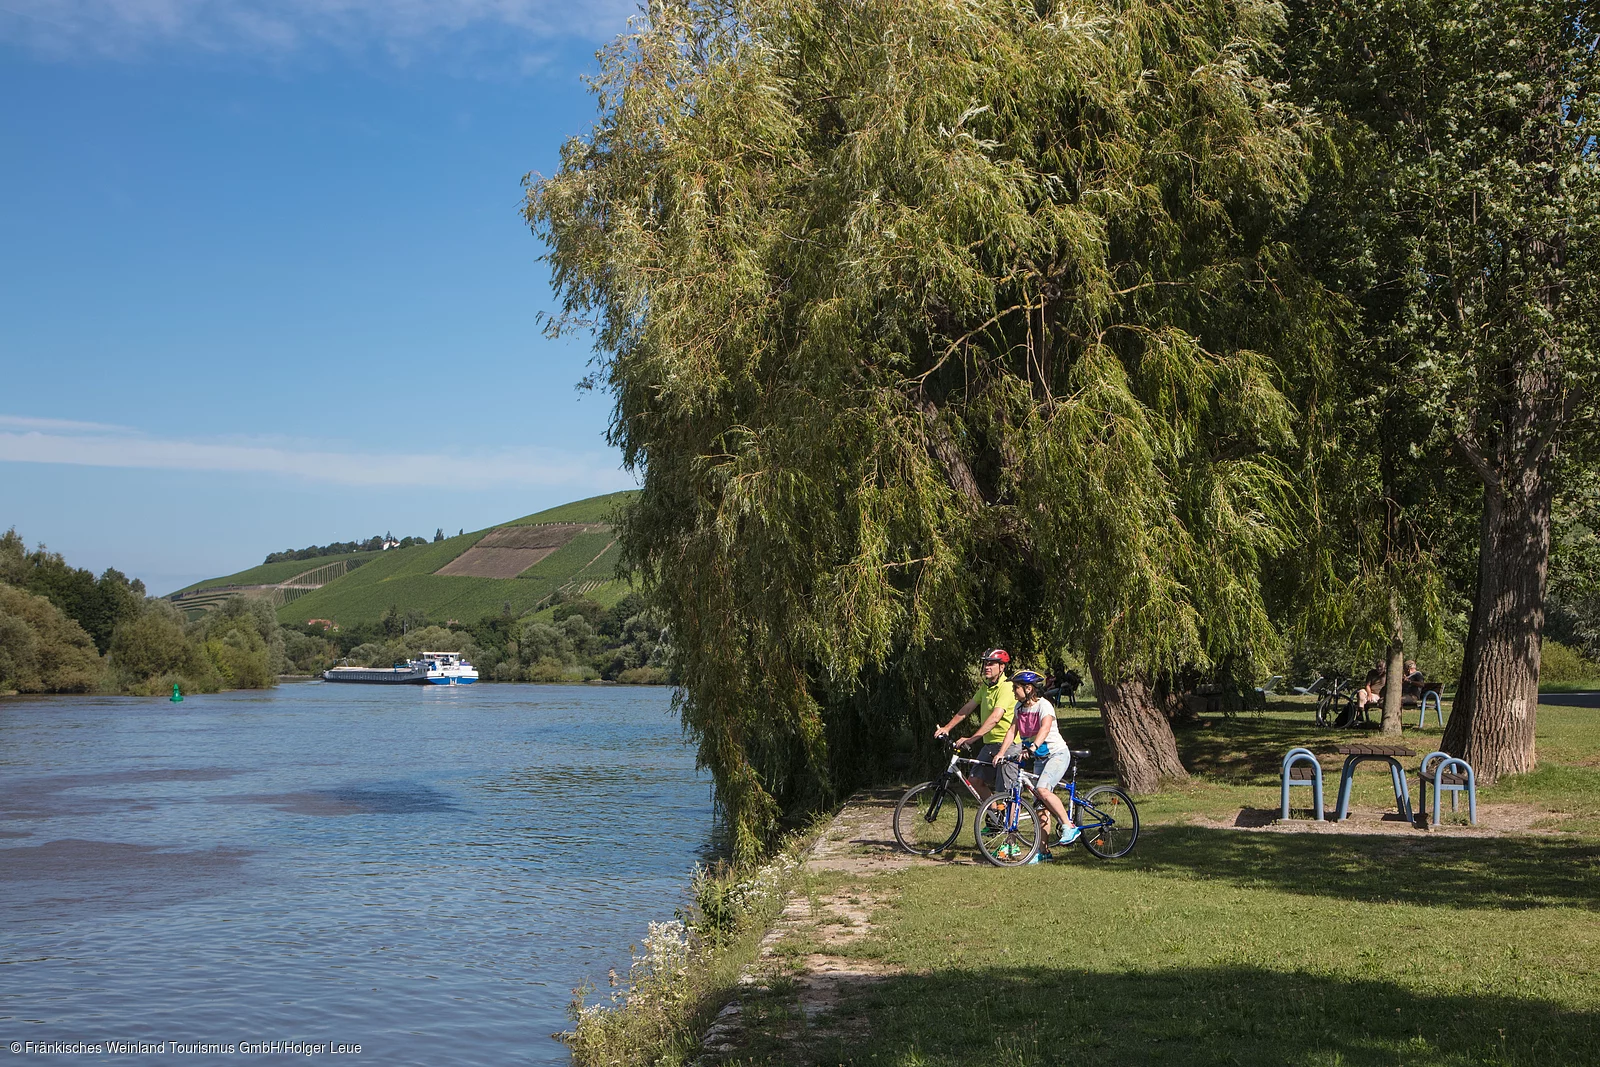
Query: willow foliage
x=933 y=325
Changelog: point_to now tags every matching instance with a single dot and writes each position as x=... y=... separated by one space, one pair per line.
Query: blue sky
x=263 y=280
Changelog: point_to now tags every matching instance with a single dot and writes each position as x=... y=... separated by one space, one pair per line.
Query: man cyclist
x=989 y=713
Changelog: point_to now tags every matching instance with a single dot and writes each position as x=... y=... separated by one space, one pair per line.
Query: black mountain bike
x=1337 y=706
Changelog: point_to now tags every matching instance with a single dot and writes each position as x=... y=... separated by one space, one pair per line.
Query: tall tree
x=1483 y=115
x=96 y=604
x=932 y=325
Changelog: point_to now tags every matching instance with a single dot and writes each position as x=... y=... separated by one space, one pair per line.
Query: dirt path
x=791 y=992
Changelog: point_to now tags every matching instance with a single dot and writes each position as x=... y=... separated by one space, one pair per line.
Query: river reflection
x=427 y=872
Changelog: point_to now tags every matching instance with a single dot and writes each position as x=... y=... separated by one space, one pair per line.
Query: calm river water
x=424 y=871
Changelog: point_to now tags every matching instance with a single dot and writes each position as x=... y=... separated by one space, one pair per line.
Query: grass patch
x=1210 y=945
x=1213 y=946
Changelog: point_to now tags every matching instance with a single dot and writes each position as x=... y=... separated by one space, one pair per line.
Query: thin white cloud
x=29 y=422
x=95 y=446
x=277 y=28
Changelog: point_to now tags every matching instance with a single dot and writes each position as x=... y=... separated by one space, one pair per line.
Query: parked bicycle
x=1337 y=705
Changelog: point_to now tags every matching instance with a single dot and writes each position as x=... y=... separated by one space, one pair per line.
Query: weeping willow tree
x=932 y=326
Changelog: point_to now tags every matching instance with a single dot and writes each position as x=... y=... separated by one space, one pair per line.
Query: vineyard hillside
x=273 y=573
x=571 y=548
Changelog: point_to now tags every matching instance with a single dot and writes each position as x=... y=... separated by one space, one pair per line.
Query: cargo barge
x=399 y=674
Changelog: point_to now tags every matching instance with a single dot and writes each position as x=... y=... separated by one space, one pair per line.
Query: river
x=427 y=872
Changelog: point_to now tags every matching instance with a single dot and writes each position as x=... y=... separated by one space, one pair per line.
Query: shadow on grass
x=1463 y=872
x=1055 y=1014
x=1244 y=747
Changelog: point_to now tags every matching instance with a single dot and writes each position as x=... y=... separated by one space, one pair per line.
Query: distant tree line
x=62 y=630
x=575 y=640
x=374 y=543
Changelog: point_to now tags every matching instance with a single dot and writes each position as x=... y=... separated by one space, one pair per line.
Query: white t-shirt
x=1027 y=720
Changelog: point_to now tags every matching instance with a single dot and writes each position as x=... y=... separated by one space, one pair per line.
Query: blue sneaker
x=1069 y=834
x=1040 y=857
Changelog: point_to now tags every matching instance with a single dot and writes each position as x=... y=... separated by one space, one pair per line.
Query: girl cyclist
x=1035 y=723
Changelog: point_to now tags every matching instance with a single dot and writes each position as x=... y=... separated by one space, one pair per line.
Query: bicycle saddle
x=1079 y=753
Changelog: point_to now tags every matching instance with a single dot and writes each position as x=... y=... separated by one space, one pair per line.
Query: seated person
x=1411 y=684
x=1413 y=676
x=1372 y=692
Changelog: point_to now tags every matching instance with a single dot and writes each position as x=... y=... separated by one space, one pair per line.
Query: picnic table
x=1355 y=754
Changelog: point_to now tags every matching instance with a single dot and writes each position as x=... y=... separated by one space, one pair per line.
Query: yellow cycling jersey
x=988 y=697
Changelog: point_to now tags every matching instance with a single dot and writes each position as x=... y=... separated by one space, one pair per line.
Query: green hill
x=273 y=573
x=518 y=563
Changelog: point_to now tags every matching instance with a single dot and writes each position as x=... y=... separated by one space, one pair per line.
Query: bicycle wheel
x=927 y=819
x=1007 y=830
x=1350 y=714
x=1109 y=822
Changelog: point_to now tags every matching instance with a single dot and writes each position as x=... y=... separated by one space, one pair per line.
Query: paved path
x=1572 y=700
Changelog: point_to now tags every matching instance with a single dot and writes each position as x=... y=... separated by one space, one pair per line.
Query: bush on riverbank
x=1560 y=665
x=238 y=646
x=42 y=650
x=686 y=970
x=96 y=604
x=62 y=630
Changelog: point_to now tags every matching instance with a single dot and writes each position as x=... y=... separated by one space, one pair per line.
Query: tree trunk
x=1492 y=723
x=1395 y=667
x=1143 y=748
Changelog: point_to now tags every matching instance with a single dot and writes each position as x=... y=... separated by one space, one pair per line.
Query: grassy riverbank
x=1377 y=944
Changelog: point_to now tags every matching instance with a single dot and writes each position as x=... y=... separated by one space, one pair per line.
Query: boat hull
x=451 y=681
x=378 y=675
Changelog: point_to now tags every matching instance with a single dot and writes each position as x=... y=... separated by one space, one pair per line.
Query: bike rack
x=1295 y=774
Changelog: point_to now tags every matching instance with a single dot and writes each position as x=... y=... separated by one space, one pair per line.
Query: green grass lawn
x=1214 y=945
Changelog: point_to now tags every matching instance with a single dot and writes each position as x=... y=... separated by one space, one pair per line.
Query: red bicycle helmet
x=995 y=655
